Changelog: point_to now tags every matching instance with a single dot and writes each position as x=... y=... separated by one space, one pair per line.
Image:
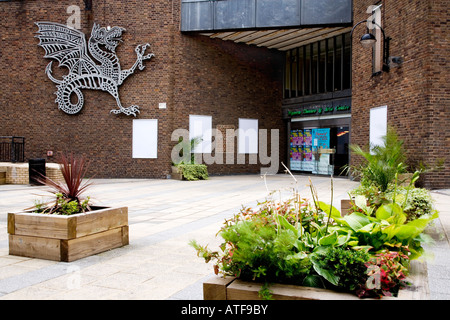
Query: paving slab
x=164 y=215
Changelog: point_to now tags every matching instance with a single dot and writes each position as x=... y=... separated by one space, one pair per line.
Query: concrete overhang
x=275 y=24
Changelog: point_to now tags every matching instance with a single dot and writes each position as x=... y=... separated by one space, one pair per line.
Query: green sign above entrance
x=318 y=110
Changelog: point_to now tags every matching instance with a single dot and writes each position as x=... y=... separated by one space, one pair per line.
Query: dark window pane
x=322 y=72
x=294 y=63
x=337 y=63
x=307 y=69
x=314 y=69
x=330 y=64
x=301 y=69
x=319 y=67
x=347 y=62
x=287 y=75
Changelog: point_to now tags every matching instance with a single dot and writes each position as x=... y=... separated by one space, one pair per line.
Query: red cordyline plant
x=73 y=169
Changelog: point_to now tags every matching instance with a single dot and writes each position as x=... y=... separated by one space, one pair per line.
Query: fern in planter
x=310 y=243
x=187 y=167
x=381 y=163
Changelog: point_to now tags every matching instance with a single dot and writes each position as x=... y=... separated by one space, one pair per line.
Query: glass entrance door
x=305 y=144
x=340 y=140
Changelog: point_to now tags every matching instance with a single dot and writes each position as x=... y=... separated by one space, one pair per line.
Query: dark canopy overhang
x=275 y=24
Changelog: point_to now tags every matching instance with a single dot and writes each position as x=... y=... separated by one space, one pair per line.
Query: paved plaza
x=164 y=215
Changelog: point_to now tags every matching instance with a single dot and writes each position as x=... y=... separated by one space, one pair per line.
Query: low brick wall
x=18 y=173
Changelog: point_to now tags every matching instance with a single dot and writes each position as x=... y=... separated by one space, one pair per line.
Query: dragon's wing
x=64 y=44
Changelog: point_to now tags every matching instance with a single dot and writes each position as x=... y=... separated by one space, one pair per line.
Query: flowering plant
x=310 y=243
x=387 y=272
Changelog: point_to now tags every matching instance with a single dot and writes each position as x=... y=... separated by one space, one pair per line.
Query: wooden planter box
x=230 y=288
x=346 y=204
x=67 y=238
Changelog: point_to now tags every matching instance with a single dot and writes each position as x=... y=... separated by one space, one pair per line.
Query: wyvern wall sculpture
x=69 y=47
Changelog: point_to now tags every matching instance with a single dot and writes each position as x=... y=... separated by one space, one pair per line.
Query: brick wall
x=18 y=173
x=417 y=93
x=192 y=74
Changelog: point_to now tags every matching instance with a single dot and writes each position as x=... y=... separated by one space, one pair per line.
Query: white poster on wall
x=248 y=136
x=378 y=125
x=145 y=138
x=201 y=127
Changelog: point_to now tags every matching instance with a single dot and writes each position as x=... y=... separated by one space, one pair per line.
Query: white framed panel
x=248 y=136
x=378 y=125
x=145 y=138
x=201 y=126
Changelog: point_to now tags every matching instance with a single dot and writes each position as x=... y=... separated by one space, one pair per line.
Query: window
x=318 y=67
x=145 y=138
x=201 y=127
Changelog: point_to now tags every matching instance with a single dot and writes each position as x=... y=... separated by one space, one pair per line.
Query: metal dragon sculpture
x=69 y=47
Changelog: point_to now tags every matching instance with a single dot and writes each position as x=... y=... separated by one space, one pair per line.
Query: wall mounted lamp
x=88 y=5
x=368 y=40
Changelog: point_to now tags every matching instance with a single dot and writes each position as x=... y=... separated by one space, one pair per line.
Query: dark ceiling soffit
x=242 y=15
x=293 y=28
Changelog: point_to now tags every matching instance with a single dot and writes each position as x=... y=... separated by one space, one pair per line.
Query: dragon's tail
x=48 y=71
x=64 y=97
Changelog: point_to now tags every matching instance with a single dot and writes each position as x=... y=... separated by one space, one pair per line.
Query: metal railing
x=12 y=149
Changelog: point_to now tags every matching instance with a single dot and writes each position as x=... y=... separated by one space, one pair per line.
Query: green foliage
x=342 y=267
x=386 y=273
x=62 y=206
x=416 y=201
x=387 y=229
x=381 y=163
x=261 y=253
x=67 y=207
x=297 y=242
x=188 y=168
x=193 y=172
x=264 y=293
x=186 y=150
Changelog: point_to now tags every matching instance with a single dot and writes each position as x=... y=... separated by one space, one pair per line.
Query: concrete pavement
x=163 y=216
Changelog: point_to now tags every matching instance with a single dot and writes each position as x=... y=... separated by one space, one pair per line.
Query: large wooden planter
x=219 y=288
x=67 y=238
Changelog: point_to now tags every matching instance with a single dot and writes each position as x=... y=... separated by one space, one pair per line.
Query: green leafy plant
x=186 y=148
x=388 y=228
x=386 y=273
x=265 y=293
x=416 y=202
x=343 y=267
x=309 y=243
x=69 y=191
x=187 y=167
x=381 y=163
x=193 y=172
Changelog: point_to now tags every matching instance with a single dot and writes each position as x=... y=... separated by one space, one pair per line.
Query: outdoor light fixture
x=88 y=4
x=368 y=40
